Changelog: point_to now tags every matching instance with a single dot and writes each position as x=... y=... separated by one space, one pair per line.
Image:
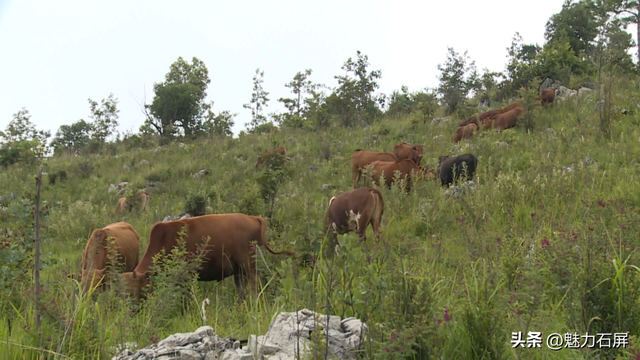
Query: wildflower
x=533 y=215
x=438 y=321
x=601 y=203
x=393 y=336
x=499 y=240
x=545 y=242
x=446 y=316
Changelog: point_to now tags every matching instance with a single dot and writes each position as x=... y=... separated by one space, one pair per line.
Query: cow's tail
x=356 y=150
x=263 y=239
x=378 y=203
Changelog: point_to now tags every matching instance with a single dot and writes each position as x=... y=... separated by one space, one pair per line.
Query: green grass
x=518 y=254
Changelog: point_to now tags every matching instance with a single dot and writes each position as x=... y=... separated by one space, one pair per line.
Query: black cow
x=451 y=168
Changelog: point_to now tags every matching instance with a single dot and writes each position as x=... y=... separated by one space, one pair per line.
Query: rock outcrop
x=289 y=335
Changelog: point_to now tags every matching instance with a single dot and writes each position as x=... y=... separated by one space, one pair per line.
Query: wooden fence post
x=37 y=245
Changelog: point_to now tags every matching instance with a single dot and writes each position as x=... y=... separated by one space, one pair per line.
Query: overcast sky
x=56 y=54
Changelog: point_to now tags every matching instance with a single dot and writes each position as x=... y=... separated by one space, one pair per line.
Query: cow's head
x=134 y=282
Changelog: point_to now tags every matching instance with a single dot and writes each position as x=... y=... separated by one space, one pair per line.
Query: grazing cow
x=508 y=119
x=95 y=255
x=141 y=196
x=355 y=210
x=479 y=118
x=388 y=168
x=361 y=158
x=229 y=251
x=451 y=168
x=513 y=105
x=411 y=152
x=265 y=155
x=547 y=96
x=464 y=132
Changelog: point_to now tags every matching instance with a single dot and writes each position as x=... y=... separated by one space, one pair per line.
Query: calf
x=405 y=151
x=126 y=247
x=229 y=251
x=141 y=197
x=265 y=155
x=361 y=158
x=362 y=206
x=547 y=96
x=464 y=132
x=388 y=168
x=451 y=168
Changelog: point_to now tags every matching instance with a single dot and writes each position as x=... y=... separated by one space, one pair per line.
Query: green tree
x=104 y=116
x=577 y=23
x=628 y=11
x=400 y=102
x=219 y=124
x=457 y=79
x=22 y=141
x=298 y=106
x=258 y=101
x=353 y=100
x=179 y=101
x=522 y=64
x=72 y=137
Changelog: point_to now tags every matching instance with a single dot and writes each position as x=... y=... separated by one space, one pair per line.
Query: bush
x=196 y=205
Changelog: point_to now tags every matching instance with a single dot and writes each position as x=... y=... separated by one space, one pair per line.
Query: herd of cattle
x=229 y=249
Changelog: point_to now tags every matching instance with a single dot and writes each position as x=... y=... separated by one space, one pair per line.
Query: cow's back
x=362 y=158
x=127 y=241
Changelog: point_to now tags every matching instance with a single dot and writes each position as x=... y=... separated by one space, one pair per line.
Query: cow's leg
x=251 y=274
x=355 y=176
x=240 y=285
x=375 y=224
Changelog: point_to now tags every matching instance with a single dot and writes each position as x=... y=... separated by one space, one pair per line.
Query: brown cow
x=547 y=96
x=229 y=251
x=488 y=122
x=464 y=132
x=411 y=152
x=362 y=206
x=389 y=168
x=262 y=158
x=479 y=118
x=141 y=196
x=95 y=255
x=361 y=158
x=508 y=120
x=513 y=105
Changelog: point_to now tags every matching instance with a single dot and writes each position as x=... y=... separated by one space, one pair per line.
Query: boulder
x=200 y=174
x=546 y=84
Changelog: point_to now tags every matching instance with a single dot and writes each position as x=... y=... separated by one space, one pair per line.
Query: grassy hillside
x=536 y=247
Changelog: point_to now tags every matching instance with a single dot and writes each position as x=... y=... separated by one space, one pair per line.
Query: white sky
x=56 y=54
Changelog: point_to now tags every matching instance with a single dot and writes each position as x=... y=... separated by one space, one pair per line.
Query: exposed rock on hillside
x=288 y=335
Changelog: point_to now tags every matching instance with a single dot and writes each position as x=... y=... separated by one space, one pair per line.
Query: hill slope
x=451 y=277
